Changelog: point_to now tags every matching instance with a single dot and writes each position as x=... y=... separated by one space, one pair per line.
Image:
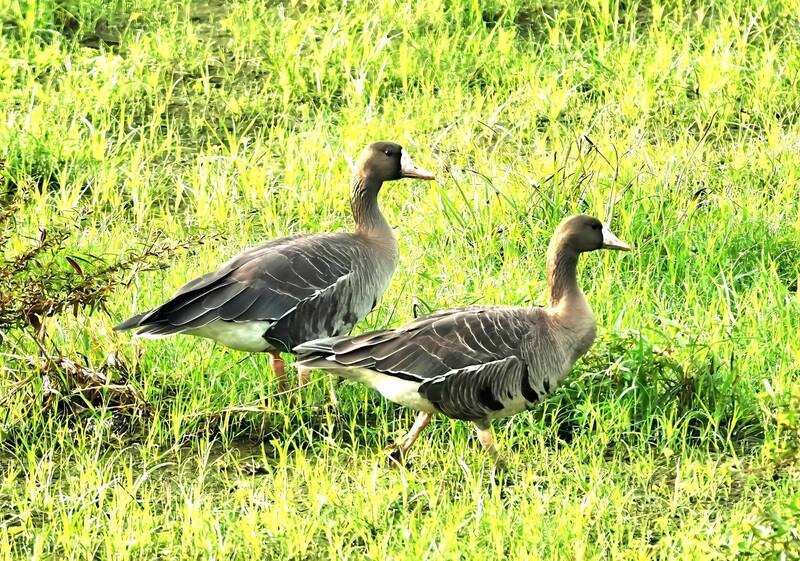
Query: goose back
x=473 y=363
x=279 y=294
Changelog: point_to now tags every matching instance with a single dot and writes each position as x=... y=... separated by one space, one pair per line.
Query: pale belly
x=511 y=407
x=403 y=392
x=242 y=336
x=518 y=403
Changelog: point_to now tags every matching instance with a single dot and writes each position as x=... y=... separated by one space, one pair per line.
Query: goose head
x=387 y=161
x=581 y=233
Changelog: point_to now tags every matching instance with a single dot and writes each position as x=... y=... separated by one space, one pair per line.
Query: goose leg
x=303 y=375
x=276 y=362
x=398 y=455
x=487 y=441
x=303 y=378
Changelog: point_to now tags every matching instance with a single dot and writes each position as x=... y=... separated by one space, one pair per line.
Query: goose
x=290 y=290
x=480 y=362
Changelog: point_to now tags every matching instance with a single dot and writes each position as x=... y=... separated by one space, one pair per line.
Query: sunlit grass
x=161 y=120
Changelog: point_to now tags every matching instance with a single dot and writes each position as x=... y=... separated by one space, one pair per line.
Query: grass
x=160 y=121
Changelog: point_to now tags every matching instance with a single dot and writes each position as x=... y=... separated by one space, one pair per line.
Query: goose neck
x=565 y=295
x=364 y=206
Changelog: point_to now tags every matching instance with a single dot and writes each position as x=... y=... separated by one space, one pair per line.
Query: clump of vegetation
x=43 y=278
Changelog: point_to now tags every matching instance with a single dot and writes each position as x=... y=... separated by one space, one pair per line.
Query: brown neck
x=562 y=277
x=364 y=206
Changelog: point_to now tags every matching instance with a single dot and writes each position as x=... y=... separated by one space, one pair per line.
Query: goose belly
x=516 y=404
x=242 y=336
x=397 y=390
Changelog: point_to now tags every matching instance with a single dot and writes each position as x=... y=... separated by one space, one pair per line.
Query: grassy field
x=139 y=124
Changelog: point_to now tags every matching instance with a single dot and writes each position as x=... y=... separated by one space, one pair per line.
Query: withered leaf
x=74 y=265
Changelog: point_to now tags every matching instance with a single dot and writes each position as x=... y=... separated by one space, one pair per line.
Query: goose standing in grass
x=275 y=296
x=480 y=362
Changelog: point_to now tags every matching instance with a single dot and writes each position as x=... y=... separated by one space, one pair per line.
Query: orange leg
x=487 y=441
x=276 y=362
x=398 y=455
x=303 y=375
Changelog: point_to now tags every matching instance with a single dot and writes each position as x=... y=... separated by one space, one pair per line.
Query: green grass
x=160 y=120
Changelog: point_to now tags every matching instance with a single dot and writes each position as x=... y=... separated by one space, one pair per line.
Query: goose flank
x=481 y=362
x=275 y=296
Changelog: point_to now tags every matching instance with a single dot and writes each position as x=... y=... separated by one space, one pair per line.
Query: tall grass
x=678 y=122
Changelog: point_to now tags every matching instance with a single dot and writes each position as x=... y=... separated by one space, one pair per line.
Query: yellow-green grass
x=167 y=119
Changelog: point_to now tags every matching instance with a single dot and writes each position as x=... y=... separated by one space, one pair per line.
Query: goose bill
x=409 y=169
x=610 y=241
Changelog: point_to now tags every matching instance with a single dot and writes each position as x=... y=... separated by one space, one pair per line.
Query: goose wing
x=261 y=284
x=476 y=392
x=468 y=361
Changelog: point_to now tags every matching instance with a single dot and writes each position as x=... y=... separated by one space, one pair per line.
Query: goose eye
x=387 y=152
x=596 y=226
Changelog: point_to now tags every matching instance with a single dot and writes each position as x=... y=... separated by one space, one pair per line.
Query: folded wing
x=468 y=362
x=262 y=284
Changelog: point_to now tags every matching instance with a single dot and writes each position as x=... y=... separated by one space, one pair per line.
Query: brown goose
x=481 y=362
x=294 y=289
